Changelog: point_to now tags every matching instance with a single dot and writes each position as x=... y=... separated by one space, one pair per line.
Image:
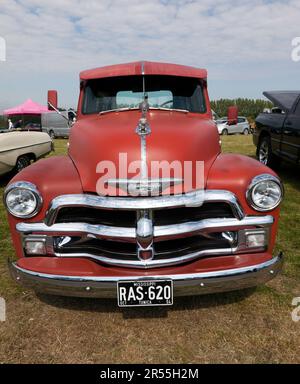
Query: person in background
x=18 y=124
x=10 y=124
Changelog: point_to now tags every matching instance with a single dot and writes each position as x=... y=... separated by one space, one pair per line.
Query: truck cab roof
x=143 y=68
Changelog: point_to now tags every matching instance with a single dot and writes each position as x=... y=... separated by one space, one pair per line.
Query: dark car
x=32 y=127
x=277 y=132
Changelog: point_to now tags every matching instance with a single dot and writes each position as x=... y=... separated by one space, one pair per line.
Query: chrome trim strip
x=210 y=225
x=190 y=199
x=151 y=263
x=160 y=232
x=184 y=284
x=25 y=146
x=72 y=229
x=144 y=165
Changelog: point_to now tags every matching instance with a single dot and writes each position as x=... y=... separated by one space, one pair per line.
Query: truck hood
x=96 y=143
x=283 y=99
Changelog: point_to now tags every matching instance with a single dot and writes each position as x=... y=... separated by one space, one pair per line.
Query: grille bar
x=191 y=199
x=160 y=232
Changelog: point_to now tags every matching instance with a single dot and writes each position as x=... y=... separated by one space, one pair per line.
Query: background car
x=36 y=127
x=18 y=149
x=242 y=126
x=277 y=134
x=57 y=124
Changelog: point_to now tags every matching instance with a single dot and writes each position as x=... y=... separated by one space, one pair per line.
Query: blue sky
x=245 y=45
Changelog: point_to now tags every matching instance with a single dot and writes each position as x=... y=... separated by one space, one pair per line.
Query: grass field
x=252 y=326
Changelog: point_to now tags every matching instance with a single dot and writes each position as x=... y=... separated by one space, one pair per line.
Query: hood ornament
x=143 y=128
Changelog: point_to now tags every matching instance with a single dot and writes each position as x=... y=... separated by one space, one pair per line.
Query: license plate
x=145 y=293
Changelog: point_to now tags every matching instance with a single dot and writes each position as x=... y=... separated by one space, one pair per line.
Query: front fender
x=53 y=176
x=234 y=173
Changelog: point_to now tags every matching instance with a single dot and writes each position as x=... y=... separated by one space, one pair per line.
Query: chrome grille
x=120 y=218
x=146 y=232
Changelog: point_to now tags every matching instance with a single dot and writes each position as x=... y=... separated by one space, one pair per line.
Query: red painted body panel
x=53 y=177
x=84 y=267
x=174 y=136
x=234 y=173
x=146 y=67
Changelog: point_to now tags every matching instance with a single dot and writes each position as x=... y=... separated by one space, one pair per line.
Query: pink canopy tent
x=29 y=107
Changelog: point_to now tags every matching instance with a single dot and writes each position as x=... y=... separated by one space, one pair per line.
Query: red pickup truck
x=144 y=206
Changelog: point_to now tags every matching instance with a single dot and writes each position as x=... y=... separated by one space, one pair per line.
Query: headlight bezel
x=257 y=180
x=25 y=185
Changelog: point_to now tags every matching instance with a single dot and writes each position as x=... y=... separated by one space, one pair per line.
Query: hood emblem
x=143 y=128
x=143 y=187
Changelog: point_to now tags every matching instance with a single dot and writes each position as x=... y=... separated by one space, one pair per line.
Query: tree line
x=249 y=108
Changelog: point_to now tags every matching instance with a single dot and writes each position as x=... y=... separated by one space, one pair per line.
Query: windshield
x=167 y=92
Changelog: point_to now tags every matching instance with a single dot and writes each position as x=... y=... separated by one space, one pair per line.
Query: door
x=290 y=144
x=242 y=124
x=236 y=127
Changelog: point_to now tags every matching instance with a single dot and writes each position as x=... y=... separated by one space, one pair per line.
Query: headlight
x=22 y=199
x=265 y=192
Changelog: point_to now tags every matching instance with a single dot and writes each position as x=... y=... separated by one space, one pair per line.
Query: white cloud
x=58 y=38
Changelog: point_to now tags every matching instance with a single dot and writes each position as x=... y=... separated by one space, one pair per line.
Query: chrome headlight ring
x=265 y=192
x=22 y=196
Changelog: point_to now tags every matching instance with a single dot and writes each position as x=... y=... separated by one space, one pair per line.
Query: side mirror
x=52 y=100
x=232 y=115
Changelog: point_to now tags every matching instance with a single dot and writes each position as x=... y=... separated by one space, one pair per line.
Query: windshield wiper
x=170 y=109
x=118 y=110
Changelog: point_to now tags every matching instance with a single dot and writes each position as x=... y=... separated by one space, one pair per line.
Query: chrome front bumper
x=184 y=284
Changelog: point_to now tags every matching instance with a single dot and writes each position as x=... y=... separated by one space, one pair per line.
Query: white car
x=18 y=149
x=242 y=126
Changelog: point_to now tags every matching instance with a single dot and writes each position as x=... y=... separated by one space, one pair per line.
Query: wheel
x=246 y=131
x=265 y=154
x=52 y=135
x=22 y=162
x=225 y=132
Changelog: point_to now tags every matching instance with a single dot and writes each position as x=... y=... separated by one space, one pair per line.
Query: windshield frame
x=203 y=102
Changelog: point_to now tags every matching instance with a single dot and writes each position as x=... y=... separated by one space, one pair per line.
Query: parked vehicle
x=277 y=134
x=215 y=115
x=57 y=124
x=242 y=126
x=32 y=127
x=18 y=149
x=89 y=225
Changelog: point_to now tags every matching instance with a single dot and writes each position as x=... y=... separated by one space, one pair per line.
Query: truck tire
x=52 y=135
x=246 y=131
x=22 y=162
x=265 y=154
x=225 y=132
